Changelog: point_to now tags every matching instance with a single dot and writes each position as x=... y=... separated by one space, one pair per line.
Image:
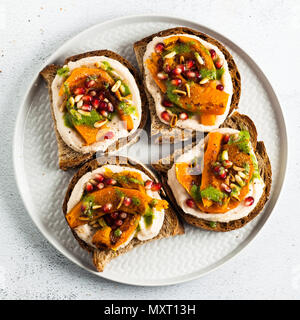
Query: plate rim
x=19 y=125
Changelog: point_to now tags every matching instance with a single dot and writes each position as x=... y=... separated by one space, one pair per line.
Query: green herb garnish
x=219 y=73
x=136 y=201
x=67 y=89
x=124 y=88
x=68 y=120
x=242 y=142
x=174 y=98
x=63 y=72
x=206 y=73
x=127 y=108
x=148 y=220
x=88 y=120
x=117 y=232
x=106 y=66
x=213 y=194
x=195 y=193
x=212 y=224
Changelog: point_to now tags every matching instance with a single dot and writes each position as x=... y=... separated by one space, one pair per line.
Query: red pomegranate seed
x=181 y=67
x=101 y=96
x=183 y=116
x=95 y=103
x=123 y=215
x=127 y=202
x=86 y=107
x=226 y=138
x=110 y=182
x=98 y=177
x=103 y=105
x=217 y=169
x=119 y=223
x=89 y=187
x=167 y=68
x=78 y=91
x=90 y=83
x=166 y=116
x=110 y=107
x=87 y=98
x=198 y=75
x=249 y=201
x=114 y=215
x=225 y=187
x=176 y=71
x=220 y=87
x=109 y=135
x=219 y=64
x=156 y=187
x=190 y=64
x=93 y=93
x=213 y=53
x=176 y=82
x=107 y=207
x=159 y=48
x=222 y=173
x=100 y=185
x=190 y=74
x=227 y=164
x=167 y=103
x=190 y=203
x=104 y=113
x=162 y=76
x=148 y=184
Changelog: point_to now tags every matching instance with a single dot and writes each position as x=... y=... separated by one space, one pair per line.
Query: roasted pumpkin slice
x=79 y=75
x=106 y=237
x=114 y=195
x=206 y=100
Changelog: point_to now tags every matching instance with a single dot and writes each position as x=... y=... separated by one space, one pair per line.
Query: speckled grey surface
x=30 y=268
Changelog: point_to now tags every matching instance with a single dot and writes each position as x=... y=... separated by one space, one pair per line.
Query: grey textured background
x=30 y=268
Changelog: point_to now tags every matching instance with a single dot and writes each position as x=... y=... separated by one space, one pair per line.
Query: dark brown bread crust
x=239 y=122
x=158 y=127
x=68 y=158
x=171 y=227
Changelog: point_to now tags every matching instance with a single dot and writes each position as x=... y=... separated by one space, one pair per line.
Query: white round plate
x=42 y=185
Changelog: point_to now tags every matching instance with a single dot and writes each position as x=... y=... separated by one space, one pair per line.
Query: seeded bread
x=171 y=227
x=69 y=158
x=239 y=122
x=165 y=133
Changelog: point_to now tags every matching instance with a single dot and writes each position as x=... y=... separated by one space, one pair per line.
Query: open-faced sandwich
x=114 y=205
x=97 y=102
x=191 y=79
x=224 y=181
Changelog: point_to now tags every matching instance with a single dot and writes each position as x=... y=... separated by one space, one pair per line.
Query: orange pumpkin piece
x=89 y=134
x=184 y=177
x=153 y=68
x=205 y=100
x=79 y=75
x=209 y=64
x=111 y=195
x=210 y=156
x=73 y=217
x=207 y=119
x=103 y=236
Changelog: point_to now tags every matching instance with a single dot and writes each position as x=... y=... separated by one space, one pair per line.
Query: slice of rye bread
x=164 y=132
x=69 y=158
x=172 y=225
x=239 y=122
